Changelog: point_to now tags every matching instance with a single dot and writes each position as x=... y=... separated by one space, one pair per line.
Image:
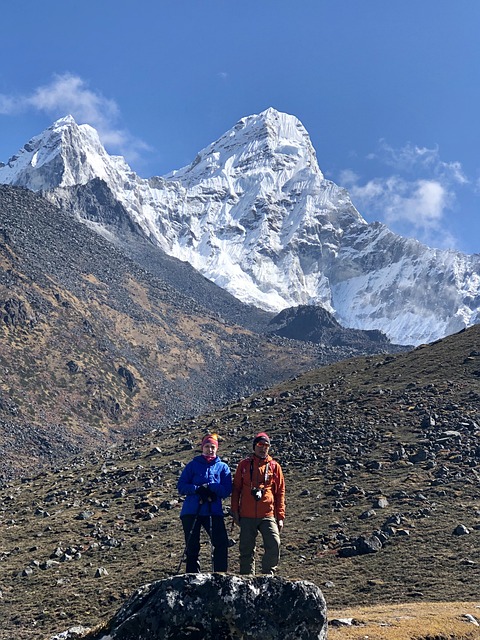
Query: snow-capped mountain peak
x=254 y=214
x=271 y=139
x=64 y=155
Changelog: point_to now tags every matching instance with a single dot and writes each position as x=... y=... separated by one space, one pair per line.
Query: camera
x=257 y=493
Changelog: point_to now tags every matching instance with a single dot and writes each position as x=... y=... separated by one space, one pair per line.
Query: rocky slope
x=382 y=463
x=93 y=347
x=97 y=343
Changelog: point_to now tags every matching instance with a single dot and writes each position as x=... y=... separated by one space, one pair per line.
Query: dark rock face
x=220 y=607
x=317 y=325
x=128 y=377
x=14 y=313
x=95 y=202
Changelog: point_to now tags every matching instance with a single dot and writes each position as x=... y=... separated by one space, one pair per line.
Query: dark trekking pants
x=218 y=536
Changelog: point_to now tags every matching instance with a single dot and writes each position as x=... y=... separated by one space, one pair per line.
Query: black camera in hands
x=206 y=494
x=257 y=493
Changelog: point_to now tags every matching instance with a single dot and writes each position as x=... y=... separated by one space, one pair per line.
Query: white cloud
x=413 y=159
x=68 y=94
x=421 y=203
x=8 y=105
x=415 y=198
x=348 y=177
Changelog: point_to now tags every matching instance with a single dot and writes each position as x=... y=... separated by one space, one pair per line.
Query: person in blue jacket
x=205 y=481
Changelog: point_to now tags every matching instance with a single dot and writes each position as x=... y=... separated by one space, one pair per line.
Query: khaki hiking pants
x=249 y=528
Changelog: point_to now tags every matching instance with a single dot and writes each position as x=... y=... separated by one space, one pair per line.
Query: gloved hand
x=205 y=494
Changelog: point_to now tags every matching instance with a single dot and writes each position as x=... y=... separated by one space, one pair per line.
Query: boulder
x=208 y=606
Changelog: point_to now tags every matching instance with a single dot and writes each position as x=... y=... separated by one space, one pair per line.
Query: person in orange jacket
x=258 y=505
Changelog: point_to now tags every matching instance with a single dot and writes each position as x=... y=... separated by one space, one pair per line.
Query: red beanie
x=261 y=437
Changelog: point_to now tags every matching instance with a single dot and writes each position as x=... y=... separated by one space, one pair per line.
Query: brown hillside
x=94 y=348
x=381 y=448
x=96 y=345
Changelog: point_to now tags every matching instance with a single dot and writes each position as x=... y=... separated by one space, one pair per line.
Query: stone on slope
x=220 y=607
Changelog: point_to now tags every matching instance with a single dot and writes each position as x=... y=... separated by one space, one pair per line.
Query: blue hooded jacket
x=216 y=474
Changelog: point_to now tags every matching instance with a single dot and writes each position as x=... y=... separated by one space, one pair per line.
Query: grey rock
x=460 y=530
x=368 y=544
x=342 y=622
x=472 y=619
x=347 y=551
x=214 y=606
x=168 y=504
x=48 y=564
x=420 y=456
x=367 y=514
x=381 y=502
x=84 y=515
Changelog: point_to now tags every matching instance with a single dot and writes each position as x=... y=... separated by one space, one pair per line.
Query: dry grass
x=132 y=529
x=419 y=621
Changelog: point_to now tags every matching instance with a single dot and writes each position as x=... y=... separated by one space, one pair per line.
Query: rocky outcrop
x=219 y=606
x=316 y=324
x=15 y=314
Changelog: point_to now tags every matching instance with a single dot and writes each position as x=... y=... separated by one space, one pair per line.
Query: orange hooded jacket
x=259 y=473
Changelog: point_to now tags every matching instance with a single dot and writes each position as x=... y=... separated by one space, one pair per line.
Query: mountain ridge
x=254 y=214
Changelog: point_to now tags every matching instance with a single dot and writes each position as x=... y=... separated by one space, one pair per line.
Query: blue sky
x=389 y=91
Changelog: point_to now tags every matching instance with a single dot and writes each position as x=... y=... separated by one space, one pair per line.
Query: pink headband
x=210 y=439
